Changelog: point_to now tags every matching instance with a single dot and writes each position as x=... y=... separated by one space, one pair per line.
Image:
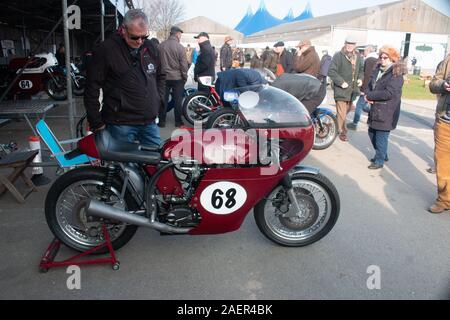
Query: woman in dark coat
x=384 y=93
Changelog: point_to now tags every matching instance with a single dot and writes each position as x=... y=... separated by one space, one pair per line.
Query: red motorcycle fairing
x=29 y=84
x=253 y=187
x=233 y=146
x=244 y=187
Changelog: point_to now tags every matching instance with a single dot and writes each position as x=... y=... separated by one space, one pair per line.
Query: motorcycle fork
x=52 y=77
x=74 y=79
x=319 y=121
x=296 y=212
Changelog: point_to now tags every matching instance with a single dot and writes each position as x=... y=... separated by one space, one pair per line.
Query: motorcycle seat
x=110 y=149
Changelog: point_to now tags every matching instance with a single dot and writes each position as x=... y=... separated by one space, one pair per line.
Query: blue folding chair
x=56 y=148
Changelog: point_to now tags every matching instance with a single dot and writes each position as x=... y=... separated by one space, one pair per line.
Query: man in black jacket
x=206 y=62
x=127 y=68
x=285 y=60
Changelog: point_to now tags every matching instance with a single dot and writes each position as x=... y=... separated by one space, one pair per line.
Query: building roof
x=204 y=24
x=318 y=22
x=395 y=16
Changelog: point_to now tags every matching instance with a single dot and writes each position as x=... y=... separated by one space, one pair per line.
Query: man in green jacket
x=347 y=73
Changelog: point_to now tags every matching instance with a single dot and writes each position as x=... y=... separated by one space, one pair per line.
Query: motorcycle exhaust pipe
x=99 y=209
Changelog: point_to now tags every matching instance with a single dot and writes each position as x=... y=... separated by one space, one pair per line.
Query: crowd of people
x=136 y=76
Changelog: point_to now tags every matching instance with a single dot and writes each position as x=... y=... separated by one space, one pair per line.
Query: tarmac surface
x=383 y=226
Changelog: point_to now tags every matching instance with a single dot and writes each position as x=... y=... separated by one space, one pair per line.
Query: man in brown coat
x=306 y=60
x=175 y=66
x=440 y=85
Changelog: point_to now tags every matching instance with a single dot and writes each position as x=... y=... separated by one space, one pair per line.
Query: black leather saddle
x=113 y=150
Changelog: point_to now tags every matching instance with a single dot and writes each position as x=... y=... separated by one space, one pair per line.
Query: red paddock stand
x=48 y=260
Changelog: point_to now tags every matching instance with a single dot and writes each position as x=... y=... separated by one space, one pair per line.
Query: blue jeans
x=380 y=141
x=144 y=134
x=359 y=109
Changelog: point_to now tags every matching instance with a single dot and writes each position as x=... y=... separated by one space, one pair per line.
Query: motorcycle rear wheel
x=65 y=215
x=318 y=199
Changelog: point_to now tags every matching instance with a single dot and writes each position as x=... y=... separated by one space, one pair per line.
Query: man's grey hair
x=370 y=48
x=133 y=15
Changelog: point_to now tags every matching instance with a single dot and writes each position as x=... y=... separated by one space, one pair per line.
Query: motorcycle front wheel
x=65 y=210
x=194 y=107
x=223 y=119
x=56 y=88
x=319 y=203
x=326 y=131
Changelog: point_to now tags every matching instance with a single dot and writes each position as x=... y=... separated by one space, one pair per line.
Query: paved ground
x=383 y=223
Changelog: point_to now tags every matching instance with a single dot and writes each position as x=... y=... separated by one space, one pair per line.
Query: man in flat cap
x=206 y=61
x=175 y=66
x=284 y=59
x=306 y=60
x=347 y=73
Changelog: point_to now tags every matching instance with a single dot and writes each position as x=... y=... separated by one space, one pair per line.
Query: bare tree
x=163 y=14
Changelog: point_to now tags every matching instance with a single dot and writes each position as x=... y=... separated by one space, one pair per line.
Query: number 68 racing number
x=223 y=198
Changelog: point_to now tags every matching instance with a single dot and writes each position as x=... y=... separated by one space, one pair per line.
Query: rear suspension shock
x=112 y=172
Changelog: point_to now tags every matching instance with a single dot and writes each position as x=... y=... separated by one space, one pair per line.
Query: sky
x=230 y=12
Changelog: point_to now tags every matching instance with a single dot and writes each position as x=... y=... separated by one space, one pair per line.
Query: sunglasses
x=384 y=58
x=135 y=38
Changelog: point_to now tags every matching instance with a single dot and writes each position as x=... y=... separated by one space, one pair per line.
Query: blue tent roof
x=290 y=16
x=306 y=14
x=260 y=21
x=245 y=20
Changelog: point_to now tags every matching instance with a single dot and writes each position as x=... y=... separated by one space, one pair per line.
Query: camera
x=447 y=83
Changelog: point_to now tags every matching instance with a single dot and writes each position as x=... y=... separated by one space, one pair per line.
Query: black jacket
x=306 y=88
x=237 y=78
x=386 y=93
x=226 y=57
x=287 y=61
x=132 y=82
x=206 y=61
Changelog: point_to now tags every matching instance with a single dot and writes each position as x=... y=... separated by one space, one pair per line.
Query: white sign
x=25 y=84
x=223 y=198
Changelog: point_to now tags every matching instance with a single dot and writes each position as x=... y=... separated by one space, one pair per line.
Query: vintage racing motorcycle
x=201 y=182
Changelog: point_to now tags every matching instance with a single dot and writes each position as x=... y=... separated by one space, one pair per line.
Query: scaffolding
x=49 y=15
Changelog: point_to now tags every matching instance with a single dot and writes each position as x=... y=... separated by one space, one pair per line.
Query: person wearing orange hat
x=384 y=93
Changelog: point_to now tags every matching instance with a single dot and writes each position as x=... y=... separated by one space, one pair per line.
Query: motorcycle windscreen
x=264 y=106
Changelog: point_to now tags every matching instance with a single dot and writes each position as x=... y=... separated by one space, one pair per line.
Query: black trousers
x=176 y=89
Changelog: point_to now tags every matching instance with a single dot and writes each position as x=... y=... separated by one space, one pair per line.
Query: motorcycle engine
x=182 y=217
